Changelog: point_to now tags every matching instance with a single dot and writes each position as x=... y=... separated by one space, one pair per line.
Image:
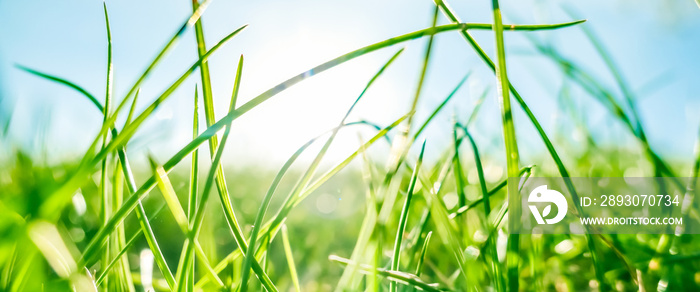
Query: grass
x=473 y=251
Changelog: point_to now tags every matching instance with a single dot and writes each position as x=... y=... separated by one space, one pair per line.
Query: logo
x=542 y=195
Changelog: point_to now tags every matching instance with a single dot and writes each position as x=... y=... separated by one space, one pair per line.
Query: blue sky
x=649 y=41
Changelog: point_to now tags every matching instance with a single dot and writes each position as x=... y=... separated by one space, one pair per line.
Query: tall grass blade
x=290 y=259
x=490 y=243
x=194 y=184
x=512 y=156
x=250 y=254
x=404 y=218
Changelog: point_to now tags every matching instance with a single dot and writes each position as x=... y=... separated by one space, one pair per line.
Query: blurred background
x=653 y=43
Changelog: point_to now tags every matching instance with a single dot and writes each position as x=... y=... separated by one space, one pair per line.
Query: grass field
x=194 y=222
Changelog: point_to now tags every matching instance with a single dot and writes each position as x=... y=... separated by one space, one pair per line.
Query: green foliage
x=63 y=230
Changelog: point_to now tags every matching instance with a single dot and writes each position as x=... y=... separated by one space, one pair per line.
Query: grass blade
x=64 y=82
x=194 y=184
x=290 y=259
x=395 y=276
x=250 y=253
x=442 y=105
x=490 y=243
x=404 y=217
x=512 y=156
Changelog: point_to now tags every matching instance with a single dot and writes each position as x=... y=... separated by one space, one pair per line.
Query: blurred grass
x=64 y=230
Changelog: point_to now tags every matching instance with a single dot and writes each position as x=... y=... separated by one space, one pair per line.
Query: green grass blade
x=154 y=246
x=445 y=230
x=194 y=184
x=179 y=214
x=66 y=83
x=423 y=250
x=458 y=170
x=424 y=68
x=493 y=191
x=404 y=218
x=491 y=244
x=290 y=259
x=395 y=276
x=512 y=156
x=115 y=260
x=441 y=106
x=171 y=200
x=250 y=254
x=199 y=214
x=477 y=107
x=132 y=109
x=205 y=75
x=106 y=198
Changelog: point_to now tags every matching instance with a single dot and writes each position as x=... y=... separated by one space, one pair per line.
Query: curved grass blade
x=404 y=217
x=64 y=82
x=395 y=276
x=250 y=253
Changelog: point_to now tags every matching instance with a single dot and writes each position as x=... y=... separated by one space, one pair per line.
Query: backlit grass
x=99 y=224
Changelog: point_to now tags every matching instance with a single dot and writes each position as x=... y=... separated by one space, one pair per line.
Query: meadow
x=194 y=222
